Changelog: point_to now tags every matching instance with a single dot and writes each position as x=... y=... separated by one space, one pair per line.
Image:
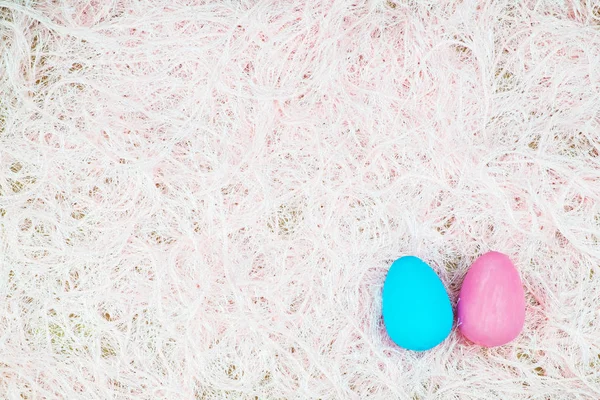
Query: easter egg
x=417 y=313
x=491 y=306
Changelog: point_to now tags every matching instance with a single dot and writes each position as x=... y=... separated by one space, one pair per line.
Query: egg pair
x=418 y=315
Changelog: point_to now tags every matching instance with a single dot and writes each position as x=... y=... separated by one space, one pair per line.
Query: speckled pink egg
x=491 y=306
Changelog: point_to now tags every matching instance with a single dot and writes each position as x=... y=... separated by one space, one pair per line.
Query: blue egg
x=416 y=309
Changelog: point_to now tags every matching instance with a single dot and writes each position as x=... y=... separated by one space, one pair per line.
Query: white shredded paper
x=201 y=199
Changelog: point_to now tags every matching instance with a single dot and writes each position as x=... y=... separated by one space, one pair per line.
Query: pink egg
x=491 y=306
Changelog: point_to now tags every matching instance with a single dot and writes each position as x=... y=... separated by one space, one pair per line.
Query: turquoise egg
x=416 y=309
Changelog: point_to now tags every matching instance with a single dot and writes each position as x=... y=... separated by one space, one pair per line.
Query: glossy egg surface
x=416 y=308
